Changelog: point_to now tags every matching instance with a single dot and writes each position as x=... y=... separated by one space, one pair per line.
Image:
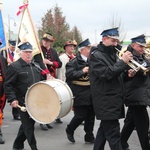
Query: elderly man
x=106 y=88
x=137 y=96
x=69 y=47
x=77 y=77
x=20 y=76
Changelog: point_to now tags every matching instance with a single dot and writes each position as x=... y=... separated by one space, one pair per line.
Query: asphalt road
x=54 y=139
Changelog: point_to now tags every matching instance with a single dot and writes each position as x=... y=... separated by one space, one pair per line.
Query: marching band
x=96 y=82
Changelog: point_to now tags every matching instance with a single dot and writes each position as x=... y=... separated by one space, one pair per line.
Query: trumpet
x=132 y=63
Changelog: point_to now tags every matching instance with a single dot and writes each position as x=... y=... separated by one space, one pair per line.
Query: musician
x=51 y=60
x=9 y=55
x=106 y=88
x=3 y=67
x=69 y=48
x=137 y=96
x=20 y=76
x=78 y=79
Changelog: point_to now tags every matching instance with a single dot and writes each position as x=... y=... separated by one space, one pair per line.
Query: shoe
x=18 y=149
x=126 y=148
x=2 y=141
x=16 y=117
x=49 y=126
x=44 y=127
x=91 y=141
x=70 y=136
x=58 y=120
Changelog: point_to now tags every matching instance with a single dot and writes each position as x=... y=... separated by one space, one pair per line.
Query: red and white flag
x=27 y=31
x=21 y=8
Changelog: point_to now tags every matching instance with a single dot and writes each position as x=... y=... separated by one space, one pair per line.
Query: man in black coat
x=20 y=76
x=137 y=96
x=77 y=77
x=107 y=88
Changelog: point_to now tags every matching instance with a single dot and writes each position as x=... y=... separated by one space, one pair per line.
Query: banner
x=2 y=32
x=27 y=31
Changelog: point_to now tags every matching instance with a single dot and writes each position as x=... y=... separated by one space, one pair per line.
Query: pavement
x=54 y=139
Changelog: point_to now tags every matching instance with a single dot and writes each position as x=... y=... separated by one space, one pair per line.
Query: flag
x=27 y=31
x=21 y=9
x=2 y=32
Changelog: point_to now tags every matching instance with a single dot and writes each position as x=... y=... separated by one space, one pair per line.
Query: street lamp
x=9 y=31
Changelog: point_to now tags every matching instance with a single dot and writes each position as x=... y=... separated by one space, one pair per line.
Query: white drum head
x=42 y=103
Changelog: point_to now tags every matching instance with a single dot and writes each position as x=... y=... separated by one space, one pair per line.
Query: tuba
x=132 y=63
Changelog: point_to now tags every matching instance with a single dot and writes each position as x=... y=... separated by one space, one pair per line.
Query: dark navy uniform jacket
x=106 y=82
x=78 y=81
x=19 y=77
x=137 y=88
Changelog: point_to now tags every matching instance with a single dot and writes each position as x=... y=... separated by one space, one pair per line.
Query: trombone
x=132 y=63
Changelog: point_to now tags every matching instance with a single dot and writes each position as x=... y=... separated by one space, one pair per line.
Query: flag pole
x=25 y=1
x=39 y=47
x=16 y=49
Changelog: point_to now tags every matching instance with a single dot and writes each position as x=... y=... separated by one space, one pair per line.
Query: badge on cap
x=112 y=33
x=139 y=40
x=25 y=46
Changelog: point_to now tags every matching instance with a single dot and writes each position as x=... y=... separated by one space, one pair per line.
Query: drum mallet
x=22 y=108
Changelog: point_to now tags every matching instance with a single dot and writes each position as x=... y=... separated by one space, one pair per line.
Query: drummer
x=19 y=77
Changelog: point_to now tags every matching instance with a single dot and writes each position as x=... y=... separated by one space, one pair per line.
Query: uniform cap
x=84 y=43
x=25 y=46
x=12 y=43
x=112 y=33
x=139 y=40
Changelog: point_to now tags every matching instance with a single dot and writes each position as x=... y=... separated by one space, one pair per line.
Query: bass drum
x=48 y=100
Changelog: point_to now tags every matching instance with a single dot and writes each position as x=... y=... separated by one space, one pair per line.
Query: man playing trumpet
x=137 y=96
x=106 y=87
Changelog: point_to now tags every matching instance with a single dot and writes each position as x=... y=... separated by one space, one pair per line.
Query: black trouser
x=15 y=112
x=137 y=116
x=83 y=113
x=109 y=130
x=26 y=131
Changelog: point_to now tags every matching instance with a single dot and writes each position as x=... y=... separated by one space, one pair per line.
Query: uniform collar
x=84 y=58
x=23 y=63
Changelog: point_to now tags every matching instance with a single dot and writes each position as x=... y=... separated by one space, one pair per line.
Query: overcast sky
x=90 y=16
